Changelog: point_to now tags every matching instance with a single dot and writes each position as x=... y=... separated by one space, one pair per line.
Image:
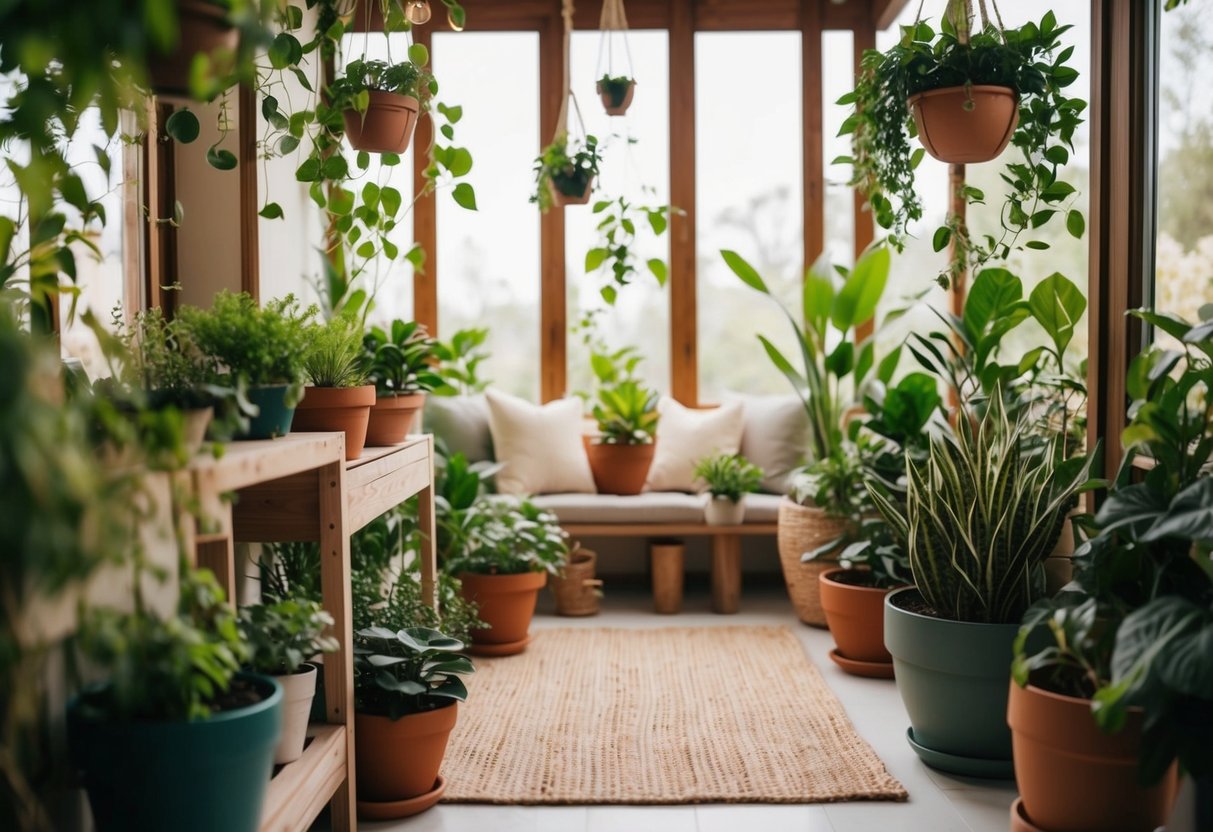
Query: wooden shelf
x=300 y=790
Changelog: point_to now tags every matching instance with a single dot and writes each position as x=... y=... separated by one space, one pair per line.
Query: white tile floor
x=938 y=802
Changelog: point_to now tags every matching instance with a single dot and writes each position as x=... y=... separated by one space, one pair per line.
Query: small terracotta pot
x=346 y=409
x=204 y=29
x=386 y=126
x=399 y=759
x=960 y=125
x=721 y=511
x=619 y=469
x=802 y=529
x=559 y=198
x=855 y=616
x=1072 y=776
x=608 y=102
x=298 y=691
x=392 y=419
x=507 y=605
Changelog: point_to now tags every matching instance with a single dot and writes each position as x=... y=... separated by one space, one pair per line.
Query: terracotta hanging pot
x=854 y=611
x=507 y=605
x=345 y=409
x=392 y=419
x=1072 y=775
x=569 y=191
x=204 y=29
x=616 y=100
x=619 y=469
x=960 y=125
x=398 y=760
x=386 y=126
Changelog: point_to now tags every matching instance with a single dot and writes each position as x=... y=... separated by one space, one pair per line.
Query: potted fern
x=616 y=93
x=565 y=171
x=729 y=477
x=338 y=399
x=982 y=512
x=400 y=367
x=380 y=102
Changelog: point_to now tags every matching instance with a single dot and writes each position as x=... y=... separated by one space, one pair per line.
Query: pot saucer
x=510 y=648
x=872 y=670
x=965 y=766
x=394 y=809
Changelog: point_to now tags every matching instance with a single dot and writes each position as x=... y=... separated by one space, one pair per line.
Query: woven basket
x=577 y=591
x=802 y=529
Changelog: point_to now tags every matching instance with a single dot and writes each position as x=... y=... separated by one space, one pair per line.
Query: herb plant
x=400 y=359
x=284 y=634
x=567 y=166
x=408 y=671
x=730 y=476
x=334 y=356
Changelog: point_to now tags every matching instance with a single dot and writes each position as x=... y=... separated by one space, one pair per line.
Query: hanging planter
x=204 y=30
x=565 y=171
x=966 y=124
x=615 y=87
x=616 y=93
x=380 y=102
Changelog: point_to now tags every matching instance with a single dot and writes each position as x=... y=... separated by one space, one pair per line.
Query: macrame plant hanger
x=562 y=119
x=614 y=24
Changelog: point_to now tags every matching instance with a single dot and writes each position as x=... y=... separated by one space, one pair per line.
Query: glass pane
x=1183 y=275
x=488 y=260
x=636 y=166
x=837 y=79
x=749 y=175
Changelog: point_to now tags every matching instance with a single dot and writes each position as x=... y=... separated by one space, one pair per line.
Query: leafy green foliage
x=459 y=361
x=351 y=90
x=615 y=88
x=334 y=356
x=567 y=166
x=284 y=634
x=881 y=127
x=407 y=671
x=400 y=359
x=626 y=413
x=731 y=476
x=501 y=536
x=615 y=254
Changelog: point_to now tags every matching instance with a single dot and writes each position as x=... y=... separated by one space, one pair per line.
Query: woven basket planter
x=577 y=591
x=802 y=529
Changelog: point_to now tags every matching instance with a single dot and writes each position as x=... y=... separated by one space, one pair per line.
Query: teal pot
x=273 y=417
x=953 y=679
x=198 y=776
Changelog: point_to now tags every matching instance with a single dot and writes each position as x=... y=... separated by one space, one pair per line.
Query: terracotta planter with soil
x=577 y=591
x=961 y=125
x=854 y=611
x=571 y=192
x=204 y=29
x=803 y=529
x=392 y=419
x=721 y=511
x=399 y=759
x=614 y=104
x=345 y=409
x=1072 y=776
x=507 y=605
x=386 y=126
x=619 y=469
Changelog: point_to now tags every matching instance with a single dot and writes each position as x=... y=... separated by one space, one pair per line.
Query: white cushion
x=685 y=436
x=762 y=508
x=539 y=446
x=651 y=507
x=775 y=437
x=462 y=423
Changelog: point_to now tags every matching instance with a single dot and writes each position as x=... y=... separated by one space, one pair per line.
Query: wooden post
x=865 y=231
x=428 y=555
x=726 y=573
x=250 y=246
x=553 y=300
x=684 y=338
x=957 y=211
x=425 y=215
x=667 y=563
x=814 y=145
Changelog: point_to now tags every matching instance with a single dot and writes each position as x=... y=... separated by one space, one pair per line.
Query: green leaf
x=271 y=211
x=287 y=144
x=744 y=270
x=1057 y=305
x=943 y=235
x=183 y=126
x=594 y=259
x=609 y=294
x=860 y=294
x=8 y=230
x=658 y=267
x=220 y=159
x=465 y=196
x=1037 y=245
x=1076 y=224
x=658 y=222
x=418 y=54
x=817 y=294
x=366 y=250
x=993 y=293
x=391 y=199
x=460 y=162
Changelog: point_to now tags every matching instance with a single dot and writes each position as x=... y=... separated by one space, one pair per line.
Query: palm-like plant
x=399 y=359
x=626 y=413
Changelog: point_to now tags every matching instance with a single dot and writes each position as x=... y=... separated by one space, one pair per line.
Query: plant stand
x=300 y=488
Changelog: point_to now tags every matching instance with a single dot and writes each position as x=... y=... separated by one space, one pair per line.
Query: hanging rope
x=614 y=19
x=562 y=120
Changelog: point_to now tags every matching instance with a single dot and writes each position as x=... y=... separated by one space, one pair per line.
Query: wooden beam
x=134 y=231
x=425 y=215
x=684 y=339
x=553 y=300
x=812 y=115
x=864 y=223
x=250 y=246
x=885 y=12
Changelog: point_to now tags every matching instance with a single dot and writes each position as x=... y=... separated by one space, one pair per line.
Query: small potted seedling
x=729 y=477
x=616 y=93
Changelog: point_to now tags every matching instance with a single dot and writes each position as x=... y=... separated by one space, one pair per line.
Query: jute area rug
x=704 y=715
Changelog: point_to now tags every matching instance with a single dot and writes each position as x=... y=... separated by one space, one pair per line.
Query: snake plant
x=983 y=510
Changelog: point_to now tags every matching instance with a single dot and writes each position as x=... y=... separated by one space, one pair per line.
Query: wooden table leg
x=726 y=573
x=667 y=562
x=428 y=555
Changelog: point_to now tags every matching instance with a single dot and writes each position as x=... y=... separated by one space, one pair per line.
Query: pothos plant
x=1029 y=59
x=566 y=166
x=615 y=255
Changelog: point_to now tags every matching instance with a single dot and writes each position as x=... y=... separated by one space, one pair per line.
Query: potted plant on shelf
x=174 y=693
x=616 y=93
x=1110 y=700
x=407 y=689
x=338 y=398
x=380 y=102
x=823 y=506
x=261 y=348
x=565 y=171
x=622 y=452
x=982 y=512
x=729 y=477
x=400 y=361
x=282 y=637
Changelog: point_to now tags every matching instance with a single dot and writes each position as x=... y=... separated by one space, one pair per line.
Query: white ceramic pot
x=298 y=690
x=721 y=511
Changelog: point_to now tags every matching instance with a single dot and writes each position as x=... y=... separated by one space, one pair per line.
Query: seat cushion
x=762 y=508
x=539 y=447
x=685 y=436
x=650 y=507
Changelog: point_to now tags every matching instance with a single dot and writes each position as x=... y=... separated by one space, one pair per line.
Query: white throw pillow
x=539 y=446
x=685 y=436
x=776 y=436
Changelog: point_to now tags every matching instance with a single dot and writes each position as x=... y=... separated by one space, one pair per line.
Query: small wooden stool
x=667 y=559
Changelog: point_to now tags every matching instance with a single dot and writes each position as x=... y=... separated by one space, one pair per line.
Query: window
x=837 y=79
x=489 y=259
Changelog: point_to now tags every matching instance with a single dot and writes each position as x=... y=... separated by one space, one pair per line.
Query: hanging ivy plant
x=615 y=254
x=565 y=171
x=1028 y=59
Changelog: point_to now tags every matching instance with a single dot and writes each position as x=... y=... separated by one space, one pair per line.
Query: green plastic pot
x=274 y=417
x=185 y=776
x=953 y=678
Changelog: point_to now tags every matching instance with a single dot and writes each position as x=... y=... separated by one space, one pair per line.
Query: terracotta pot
x=560 y=198
x=577 y=591
x=855 y=614
x=399 y=759
x=1072 y=776
x=507 y=605
x=608 y=101
x=345 y=409
x=802 y=529
x=204 y=29
x=298 y=691
x=619 y=469
x=392 y=419
x=721 y=511
x=965 y=124
x=386 y=126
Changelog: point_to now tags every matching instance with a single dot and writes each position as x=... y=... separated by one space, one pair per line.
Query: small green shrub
x=334 y=357
x=284 y=634
x=729 y=475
